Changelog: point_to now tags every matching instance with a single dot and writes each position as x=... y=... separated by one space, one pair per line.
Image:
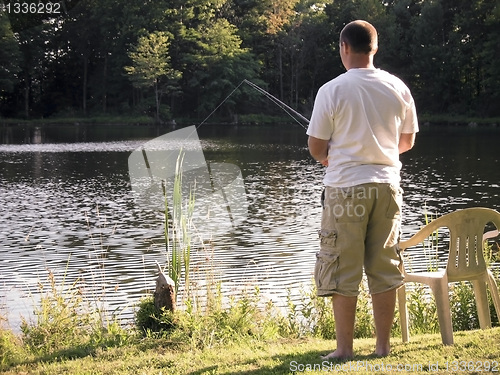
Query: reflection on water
x=67 y=207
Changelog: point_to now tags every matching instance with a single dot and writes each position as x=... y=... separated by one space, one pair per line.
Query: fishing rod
x=279 y=103
x=289 y=110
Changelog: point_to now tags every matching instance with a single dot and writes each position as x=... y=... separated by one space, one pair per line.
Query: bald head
x=361 y=36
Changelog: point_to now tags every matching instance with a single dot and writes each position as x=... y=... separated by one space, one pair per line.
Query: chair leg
x=483 y=309
x=403 y=313
x=494 y=293
x=441 y=294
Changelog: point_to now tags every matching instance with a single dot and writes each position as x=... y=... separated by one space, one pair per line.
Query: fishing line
x=216 y=108
x=288 y=110
x=279 y=103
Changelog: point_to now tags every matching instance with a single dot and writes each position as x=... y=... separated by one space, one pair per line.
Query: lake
x=67 y=207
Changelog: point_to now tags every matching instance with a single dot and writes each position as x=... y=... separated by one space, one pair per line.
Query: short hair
x=361 y=36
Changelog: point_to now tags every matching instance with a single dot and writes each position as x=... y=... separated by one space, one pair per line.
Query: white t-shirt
x=362 y=113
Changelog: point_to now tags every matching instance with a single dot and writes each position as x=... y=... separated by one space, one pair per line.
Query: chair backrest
x=466 y=259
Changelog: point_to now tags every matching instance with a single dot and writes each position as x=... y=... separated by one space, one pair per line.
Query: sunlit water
x=67 y=207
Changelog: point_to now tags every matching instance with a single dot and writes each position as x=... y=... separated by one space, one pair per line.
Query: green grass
x=244 y=335
x=161 y=356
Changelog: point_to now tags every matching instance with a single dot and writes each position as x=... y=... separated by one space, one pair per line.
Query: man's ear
x=346 y=47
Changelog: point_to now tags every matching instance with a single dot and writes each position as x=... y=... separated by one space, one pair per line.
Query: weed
x=59 y=319
x=422 y=313
x=11 y=350
x=66 y=324
x=463 y=307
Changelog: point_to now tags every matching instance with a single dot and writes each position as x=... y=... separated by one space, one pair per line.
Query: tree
x=218 y=64
x=490 y=54
x=9 y=56
x=151 y=65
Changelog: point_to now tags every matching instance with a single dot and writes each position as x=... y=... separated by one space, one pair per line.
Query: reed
x=178 y=229
x=431 y=244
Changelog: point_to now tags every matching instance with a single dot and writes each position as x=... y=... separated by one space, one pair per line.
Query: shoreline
x=425 y=122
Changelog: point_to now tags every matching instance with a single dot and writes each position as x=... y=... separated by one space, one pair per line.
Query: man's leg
x=344 y=311
x=381 y=261
x=383 y=313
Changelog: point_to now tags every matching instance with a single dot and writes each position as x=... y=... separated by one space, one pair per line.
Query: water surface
x=66 y=207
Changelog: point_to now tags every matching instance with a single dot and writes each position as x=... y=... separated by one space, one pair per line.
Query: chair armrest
x=421 y=235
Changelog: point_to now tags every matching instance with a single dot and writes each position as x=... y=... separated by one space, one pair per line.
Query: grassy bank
x=457 y=120
x=473 y=352
x=246 y=335
x=97 y=120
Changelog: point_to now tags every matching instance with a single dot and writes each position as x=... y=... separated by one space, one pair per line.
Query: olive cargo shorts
x=360 y=227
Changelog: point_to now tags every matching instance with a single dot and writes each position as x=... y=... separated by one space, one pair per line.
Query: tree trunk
x=157 y=97
x=104 y=85
x=164 y=295
x=280 y=66
x=84 y=83
x=26 y=95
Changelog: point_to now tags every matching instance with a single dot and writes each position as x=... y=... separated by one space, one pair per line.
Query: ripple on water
x=68 y=208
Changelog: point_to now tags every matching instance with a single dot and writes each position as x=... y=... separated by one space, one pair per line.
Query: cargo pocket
x=325 y=272
x=395 y=203
x=327 y=238
x=394 y=214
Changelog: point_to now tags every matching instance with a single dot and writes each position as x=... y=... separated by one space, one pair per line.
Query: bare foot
x=337 y=354
x=381 y=352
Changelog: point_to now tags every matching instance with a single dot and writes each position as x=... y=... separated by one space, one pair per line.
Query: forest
x=179 y=59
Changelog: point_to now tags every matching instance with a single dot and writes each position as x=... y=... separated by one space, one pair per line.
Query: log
x=164 y=295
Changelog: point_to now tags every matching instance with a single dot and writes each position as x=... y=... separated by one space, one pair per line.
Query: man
x=361 y=121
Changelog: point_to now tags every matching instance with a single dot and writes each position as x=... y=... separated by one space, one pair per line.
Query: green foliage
x=248 y=316
x=463 y=307
x=9 y=55
x=422 y=313
x=151 y=64
x=151 y=60
x=11 y=350
x=364 y=325
x=317 y=315
x=66 y=324
x=445 y=50
x=215 y=323
x=58 y=325
x=244 y=318
x=149 y=320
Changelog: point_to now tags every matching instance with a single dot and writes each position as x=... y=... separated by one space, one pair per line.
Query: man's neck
x=361 y=61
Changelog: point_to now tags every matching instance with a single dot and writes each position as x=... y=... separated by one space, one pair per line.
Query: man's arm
x=318 y=148
x=406 y=142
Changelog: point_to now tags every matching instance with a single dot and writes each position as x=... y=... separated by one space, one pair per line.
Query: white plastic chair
x=465 y=263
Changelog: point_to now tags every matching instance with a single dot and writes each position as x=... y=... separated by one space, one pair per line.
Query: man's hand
x=406 y=142
x=318 y=148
